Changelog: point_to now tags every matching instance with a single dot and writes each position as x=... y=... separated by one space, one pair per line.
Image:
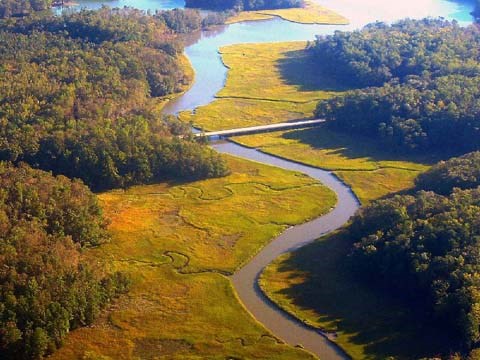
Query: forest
x=243 y=5
x=78 y=98
x=78 y=92
x=10 y=8
x=424 y=248
x=462 y=173
x=418 y=84
x=46 y=287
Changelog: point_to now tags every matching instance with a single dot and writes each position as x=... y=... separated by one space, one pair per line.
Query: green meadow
x=179 y=243
x=311 y=13
x=278 y=82
x=368 y=169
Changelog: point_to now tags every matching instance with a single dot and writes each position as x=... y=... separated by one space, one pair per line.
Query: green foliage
x=462 y=172
x=46 y=289
x=432 y=98
x=76 y=97
x=425 y=249
x=241 y=5
x=379 y=52
x=62 y=206
x=10 y=8
x=440 y=114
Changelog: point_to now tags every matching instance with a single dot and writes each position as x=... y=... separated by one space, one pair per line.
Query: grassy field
x=266 y=83
x=269 y=83
x=367 y=168
x=177 y=242
x=312 y=13
x=225 y=114
x=315 y=285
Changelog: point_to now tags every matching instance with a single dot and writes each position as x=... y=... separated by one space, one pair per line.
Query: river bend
x=245 y=280
x=210 y=78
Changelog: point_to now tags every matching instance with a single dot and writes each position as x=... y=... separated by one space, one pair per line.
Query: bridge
x=213 y=135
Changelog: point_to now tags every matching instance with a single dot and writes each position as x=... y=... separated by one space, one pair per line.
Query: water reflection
x=204 y=55
x=211 y=73
x=367 y=11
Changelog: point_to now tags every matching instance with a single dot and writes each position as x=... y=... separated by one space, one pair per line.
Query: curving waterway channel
x=210 y=75
x=245 y=280
x=210 y=78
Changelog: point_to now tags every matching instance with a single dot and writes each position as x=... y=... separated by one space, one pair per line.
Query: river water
x=210 y=78
x=210 y=74
x=202 y=49
x=245 y=280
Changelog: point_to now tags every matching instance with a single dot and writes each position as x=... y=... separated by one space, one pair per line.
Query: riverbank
x=187 y=69
x=288 y=328
x=263 y=81
x=257 y=90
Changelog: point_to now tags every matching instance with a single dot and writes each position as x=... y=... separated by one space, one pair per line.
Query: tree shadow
x=354 y=147
x=380 y=323
x=301 y=68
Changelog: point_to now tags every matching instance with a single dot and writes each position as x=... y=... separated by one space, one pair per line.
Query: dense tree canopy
x=426 y=249
x=240 y=5
x=462 y=173
x=428 y=78
x=380 y=52
x=46 y=289
x=77 y=97
x=439 y=115
x=24 y=7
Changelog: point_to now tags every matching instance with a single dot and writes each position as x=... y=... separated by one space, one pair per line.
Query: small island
x=299 y=11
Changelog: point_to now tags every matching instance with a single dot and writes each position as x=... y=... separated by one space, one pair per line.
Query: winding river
x=245 y=280
x=202 y=51
x=210 y=78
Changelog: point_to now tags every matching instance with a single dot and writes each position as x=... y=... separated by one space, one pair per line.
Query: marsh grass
x=369 y=169
x=275 y=71
x=266 y=83
x=178 y=242
x=271 y=83
x=230 y=113
x=312 y=13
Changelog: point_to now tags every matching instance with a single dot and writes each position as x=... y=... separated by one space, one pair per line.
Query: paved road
x=262 y=128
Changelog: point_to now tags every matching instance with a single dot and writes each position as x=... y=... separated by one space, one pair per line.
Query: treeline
x=243 y=5
x=425 y=249
x=46 y=288
x=77 y=97
x=422 y=79
x=10 y=8
x=380 y=52
x=462 y=173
